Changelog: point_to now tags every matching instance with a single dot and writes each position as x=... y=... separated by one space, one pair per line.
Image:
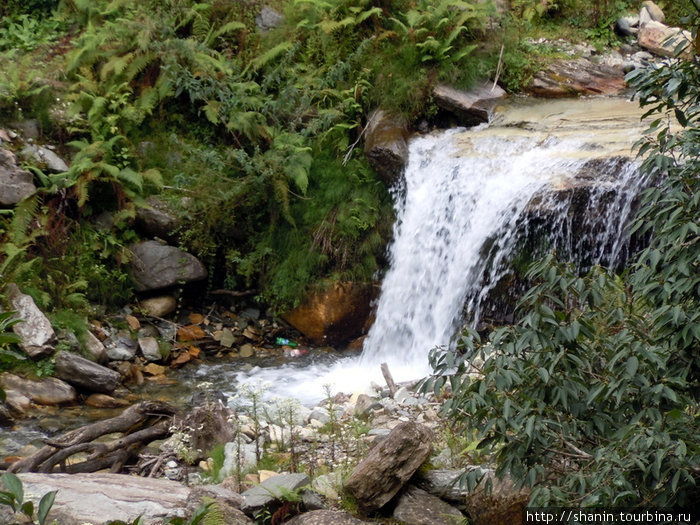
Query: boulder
x=504 y=504
x=85 y=374
x=389 y=465
x=46 y=157
x=417 y=507
x=15 y=183
x=206 y=425
x=662 y=40
x=45 y=391
x=155 y=265
x=121 y=347
x=470 y=107
x=655 y=12
x=326 y=517
x=385 y=145
x=565 y=78
x=225 y=504
x=271 y=492
x=35 y=329
x=158 y=306
x=155 y=220
x=336 y=315
x=102 y=497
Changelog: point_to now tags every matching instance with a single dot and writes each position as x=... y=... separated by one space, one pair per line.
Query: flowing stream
x=467 y=201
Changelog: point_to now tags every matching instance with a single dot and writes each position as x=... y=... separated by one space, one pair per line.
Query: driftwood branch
x=140 y=424
x=389 y=379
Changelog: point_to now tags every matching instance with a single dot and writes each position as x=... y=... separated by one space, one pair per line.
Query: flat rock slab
x=566 y=78
x=326 y=517
x=46 y=391
x=272 y=490
x=389 y=465
x=99 y=498
x=417 y=507
x=471 y=107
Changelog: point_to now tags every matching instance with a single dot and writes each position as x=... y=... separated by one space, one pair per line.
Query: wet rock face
x=565 y=78
x=46 y=391
x=336 y=315
x=157 y=265
x=387 y=467
x=385 y=145
x=470 y=107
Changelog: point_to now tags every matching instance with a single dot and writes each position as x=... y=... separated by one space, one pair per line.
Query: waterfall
x=467 y=198
x=543 y=175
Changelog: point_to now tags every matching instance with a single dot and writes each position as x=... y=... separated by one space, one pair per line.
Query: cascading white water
x=467 y=197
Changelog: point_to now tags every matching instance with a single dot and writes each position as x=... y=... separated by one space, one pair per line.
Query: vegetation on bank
x=254 y=137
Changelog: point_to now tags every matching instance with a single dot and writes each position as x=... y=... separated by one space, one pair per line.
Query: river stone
x=326 y=517
x=94 y=347
x=45 y=156
x=45 y=391
x=565 y=78
x=387 y=466
x=655 y=12
x=268 y=19
x=149 y=348
x=85 y=374
x=158 y=306
x=335 y=315
x=470 y=107
x=6 y=418
x=121 y=347
x=417 y=507
x=663 y=40
x=15 y=183
x=385 y=145
x=35 y=329
x=102 y=497
x=105 y=401
x=504 y=504
x=155 y=265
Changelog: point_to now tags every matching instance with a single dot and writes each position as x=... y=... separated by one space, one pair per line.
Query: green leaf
x=14 y=486
x=45 y=505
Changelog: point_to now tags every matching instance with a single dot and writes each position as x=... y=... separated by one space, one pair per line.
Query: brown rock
x=158 y=306
x=385 y=145
x=565 y=78
x=417 y=507
x=326 y=517
x=154 y=369
x=46 y=391
x=387 y=466
x=190 y=332
x=503 y=505
x=105 y=401
x=335 y=315
x=470 y=107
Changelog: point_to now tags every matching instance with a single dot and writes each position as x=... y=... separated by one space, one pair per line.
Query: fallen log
x=140 y=424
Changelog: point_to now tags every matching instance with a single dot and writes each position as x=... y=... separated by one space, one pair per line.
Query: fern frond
x=26 y=211
x=270 y=55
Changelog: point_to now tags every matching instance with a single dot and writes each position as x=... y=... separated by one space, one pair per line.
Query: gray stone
x=225 y=502
x=29 y=129
x=443 y=484
x=34 y=329
x=268 y=19
x=388 y=465
x=326 y=517
x=328 y=485
x=385 y=145
x=121 y=347
x=655 y=12
x=85 y=374
x=149 y=348
x=102 y=497
x=232 y=455
x=504 y=504
x=45 y=391
x=470 y=107
x=155 y=265
x=644 y=17
x=15 y=183
x=311 y=500
x=45 y=156
x=271 y=490
x=94 y=347
x=320 y=414
x=624 y=27
x=155 y=220
x=401 y=394
x=417 y=507
x=363 y=405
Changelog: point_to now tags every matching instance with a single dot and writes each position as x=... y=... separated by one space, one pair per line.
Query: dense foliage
x=592 y=397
